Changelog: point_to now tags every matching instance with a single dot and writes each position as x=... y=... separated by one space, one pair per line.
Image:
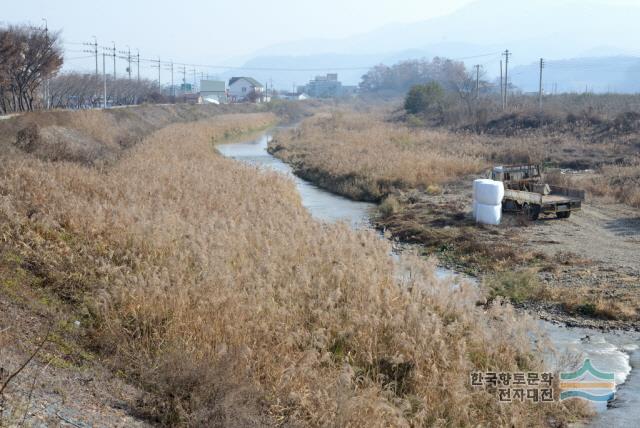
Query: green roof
x=212 y=86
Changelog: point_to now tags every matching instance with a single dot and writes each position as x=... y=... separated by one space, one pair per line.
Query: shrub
x=424 y=98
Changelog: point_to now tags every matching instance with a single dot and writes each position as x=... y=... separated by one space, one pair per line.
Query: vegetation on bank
x=361 y=156
x=420 y=176
x=208 y=284
x=369 y=155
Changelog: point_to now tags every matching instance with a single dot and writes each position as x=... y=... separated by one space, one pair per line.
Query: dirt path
x=588 y=265
x=606 y=234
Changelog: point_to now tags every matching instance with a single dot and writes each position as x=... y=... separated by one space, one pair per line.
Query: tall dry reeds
x=367 y=156
x=207 y=283
x=363 y=157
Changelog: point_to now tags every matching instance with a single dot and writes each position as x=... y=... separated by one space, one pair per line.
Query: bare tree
x=77 y=91
x=28 y=57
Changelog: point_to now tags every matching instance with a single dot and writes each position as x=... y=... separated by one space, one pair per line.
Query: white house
x=245 y=89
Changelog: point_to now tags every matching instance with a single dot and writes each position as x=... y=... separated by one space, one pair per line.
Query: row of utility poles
x=504 y=80
x=112 y=52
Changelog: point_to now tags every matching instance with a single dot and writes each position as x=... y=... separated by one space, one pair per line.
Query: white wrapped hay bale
x=488 y=214
x=488 y=192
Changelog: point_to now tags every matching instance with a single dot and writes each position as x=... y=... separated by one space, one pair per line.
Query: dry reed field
x=362 y=156
x=422 y=177
x=367 y=155
x=206 y=283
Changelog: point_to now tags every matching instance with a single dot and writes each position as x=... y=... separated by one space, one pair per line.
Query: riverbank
x=584 y=270
x=208 y=288
x=615 y=350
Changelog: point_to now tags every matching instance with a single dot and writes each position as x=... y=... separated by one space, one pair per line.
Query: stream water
x=616 y=352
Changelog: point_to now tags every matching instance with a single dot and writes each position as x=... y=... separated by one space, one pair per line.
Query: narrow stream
x=616 y=352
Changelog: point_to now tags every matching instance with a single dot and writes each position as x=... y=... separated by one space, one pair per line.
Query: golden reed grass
x=207 y=283
x=364 y=156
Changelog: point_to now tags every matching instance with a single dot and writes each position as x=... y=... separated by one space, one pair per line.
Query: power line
x=94 y=50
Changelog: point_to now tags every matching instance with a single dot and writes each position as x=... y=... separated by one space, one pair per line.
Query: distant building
x=213 y=91
x=245 y=89
x=327 y=86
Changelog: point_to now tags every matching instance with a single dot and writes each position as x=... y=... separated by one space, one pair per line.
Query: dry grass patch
x=369 y=155
x=364 y=157
x=206 y=282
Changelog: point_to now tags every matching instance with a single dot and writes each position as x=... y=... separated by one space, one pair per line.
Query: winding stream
x=616 y=352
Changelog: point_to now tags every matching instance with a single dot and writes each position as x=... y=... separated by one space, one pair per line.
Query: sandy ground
x=593 y=256
x=606 y=234
x=607 y=238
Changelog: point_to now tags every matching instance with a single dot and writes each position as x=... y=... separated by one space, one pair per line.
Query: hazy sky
x=217 y=32
x=194 y=29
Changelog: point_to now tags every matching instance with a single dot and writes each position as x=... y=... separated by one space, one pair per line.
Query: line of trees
x=442 y=89
x=79 y=90
x=399 y=78
x=29 y=57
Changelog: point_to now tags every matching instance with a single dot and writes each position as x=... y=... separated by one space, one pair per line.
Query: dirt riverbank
x=584 y=270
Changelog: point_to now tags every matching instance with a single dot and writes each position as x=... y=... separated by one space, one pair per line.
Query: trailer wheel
x=532 y=211
x=563 y=214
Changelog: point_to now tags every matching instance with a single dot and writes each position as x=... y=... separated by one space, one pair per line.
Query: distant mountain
x=533 y=29
x=603 y=74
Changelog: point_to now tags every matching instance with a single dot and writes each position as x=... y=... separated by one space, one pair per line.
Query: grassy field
x=207 y=284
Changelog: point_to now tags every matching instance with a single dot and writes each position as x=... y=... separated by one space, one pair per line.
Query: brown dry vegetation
x=96 y=137
x=208 y=284
x=361 y=156
x=367 y=156
x=420 y=175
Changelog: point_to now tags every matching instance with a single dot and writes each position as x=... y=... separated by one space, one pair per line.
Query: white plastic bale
x=488 y=192
x=475 y=209
x=488 y=214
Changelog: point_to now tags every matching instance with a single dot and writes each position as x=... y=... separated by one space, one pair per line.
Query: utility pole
x=540 y=88
x=173 y=88
x=184 y=78
x=159 y=67
x=127 y=56
x=193 y=90
x=129 y=61
x=114 y=61
x=138 y=63
x=501 y=88
x=104 y=78
x=477 y=66
x=506 y=77
x=93 y=51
